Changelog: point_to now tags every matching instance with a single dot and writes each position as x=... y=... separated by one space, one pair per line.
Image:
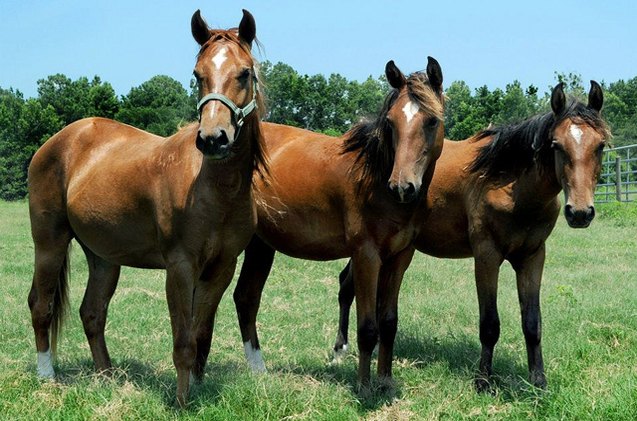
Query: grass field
x=589 y=303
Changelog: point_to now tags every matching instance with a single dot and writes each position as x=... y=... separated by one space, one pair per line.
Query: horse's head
x=415 y=118
x=227 y=81
x=578 y=140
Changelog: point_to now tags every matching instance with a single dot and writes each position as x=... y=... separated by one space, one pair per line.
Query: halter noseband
x=239 y=114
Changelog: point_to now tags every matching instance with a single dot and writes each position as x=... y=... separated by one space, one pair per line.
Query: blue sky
x=491 y=43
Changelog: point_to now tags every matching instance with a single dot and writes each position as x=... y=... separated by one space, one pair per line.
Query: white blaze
x=254 y=357
x=576 y=132
x=410 y=109
x=219 y=58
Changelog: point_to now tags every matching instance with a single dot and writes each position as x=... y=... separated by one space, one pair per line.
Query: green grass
x=589 y=303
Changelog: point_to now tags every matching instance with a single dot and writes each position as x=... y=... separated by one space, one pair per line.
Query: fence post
x=618 y=178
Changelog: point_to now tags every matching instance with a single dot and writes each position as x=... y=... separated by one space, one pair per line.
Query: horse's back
x=301 y=203
x=102 y=180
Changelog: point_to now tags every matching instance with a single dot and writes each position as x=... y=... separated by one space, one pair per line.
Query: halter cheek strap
x=239 y=114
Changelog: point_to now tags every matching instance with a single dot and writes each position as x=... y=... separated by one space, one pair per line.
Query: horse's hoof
x=364 y=391
x=45 y=365
x=483 y=385
x=339 y=354
x=538 y=380
x=387 y=385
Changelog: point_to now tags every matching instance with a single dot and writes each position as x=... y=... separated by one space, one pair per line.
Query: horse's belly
x=122 y=239
x=310 y=238
x=444 y=238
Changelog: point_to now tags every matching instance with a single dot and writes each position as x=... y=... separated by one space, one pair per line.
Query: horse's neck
x=236 y=172
x=539 y=185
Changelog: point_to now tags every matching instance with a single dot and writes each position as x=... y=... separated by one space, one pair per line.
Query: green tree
x=368 y=97
x=160 y=105
x=285 y=90
x=516 y=104
x=73 y=100
x=103 y=101
x=465 y=115
x=24 y=126
x=573 y=85
x=620 y=110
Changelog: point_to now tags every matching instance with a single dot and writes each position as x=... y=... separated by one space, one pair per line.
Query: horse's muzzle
x=579 y=218
x=403 y=193
x=217 y=146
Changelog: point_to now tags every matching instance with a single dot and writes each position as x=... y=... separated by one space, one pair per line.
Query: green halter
x=239 y=114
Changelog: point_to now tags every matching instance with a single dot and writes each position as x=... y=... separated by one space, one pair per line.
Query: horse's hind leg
x=528 y=272
x=48 y=300
x=102 y=281
x=247 y=297
x=345 y=300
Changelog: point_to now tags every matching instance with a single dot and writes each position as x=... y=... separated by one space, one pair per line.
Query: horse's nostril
x=590 y=214
x=221 y=139
x=410 y=189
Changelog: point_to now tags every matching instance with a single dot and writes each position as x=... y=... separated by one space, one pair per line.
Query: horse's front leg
x=345 y=300
x=391 y=277
x=528 y=270
x=256 y=267
x=487 y=261
x=210 y=288
x=180 y=276
x=365 y=269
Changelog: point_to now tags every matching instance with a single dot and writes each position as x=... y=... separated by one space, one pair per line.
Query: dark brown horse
x=355 y=196
x=182 y=203
x=494 y=197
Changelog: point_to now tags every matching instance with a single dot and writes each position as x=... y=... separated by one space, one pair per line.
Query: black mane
x=516 y=148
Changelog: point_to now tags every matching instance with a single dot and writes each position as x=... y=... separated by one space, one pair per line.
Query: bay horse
x=494 y=197
x=353 y=196
x=182 y=203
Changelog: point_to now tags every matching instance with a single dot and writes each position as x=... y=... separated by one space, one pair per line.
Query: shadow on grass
x=159 y=381
x=461 y=355
x=458 y=354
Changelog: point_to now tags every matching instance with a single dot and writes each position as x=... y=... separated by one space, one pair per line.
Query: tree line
x=331 y=105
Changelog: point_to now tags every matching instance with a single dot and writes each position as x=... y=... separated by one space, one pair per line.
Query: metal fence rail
x=618 y=180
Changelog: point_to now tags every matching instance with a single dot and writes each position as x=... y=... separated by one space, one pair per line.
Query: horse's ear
x=199 y=28
x=247 y=28
x=558 y=99
x=595 y=96
x=394 y=76
x=434 y=73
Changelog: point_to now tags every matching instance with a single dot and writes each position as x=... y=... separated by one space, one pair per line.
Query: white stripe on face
x=219 y=58
x=410 y=109
x=576 y=132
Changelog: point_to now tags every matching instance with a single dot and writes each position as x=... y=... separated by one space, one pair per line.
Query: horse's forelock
x=421 y=91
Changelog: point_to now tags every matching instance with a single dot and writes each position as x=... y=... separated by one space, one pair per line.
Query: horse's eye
x=600 y=149
x=556 y=146
x=432 y=122
x=196 y=75
x=244 y=75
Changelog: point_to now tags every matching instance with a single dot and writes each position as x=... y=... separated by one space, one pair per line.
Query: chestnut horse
x=182 y=203
x=493 y=197
x=354 y=196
